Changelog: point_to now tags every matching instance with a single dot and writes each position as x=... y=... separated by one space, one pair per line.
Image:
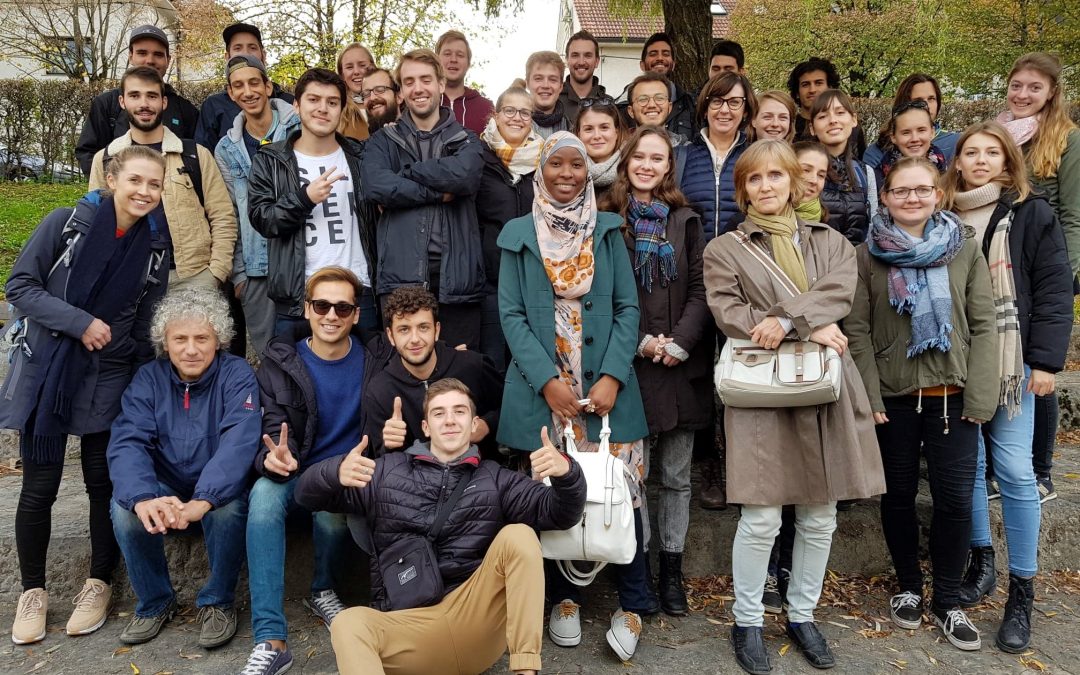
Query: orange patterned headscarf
x=565 y=231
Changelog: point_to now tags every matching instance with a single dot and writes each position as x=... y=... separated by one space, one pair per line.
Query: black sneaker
x=1046 y=489
x=906 y=610
x=325 y=605
x=957 y=628
x=770 y=597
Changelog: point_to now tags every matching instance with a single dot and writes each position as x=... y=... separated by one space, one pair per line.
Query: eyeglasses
x=322 y=307
x=921 y=191
x=602 y=101
x=733 y=103
x=380 y=90
x=510 y=112
x=659 y=99
x=914 y=104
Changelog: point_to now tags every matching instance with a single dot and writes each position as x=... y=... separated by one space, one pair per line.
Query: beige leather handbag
x=794 y=374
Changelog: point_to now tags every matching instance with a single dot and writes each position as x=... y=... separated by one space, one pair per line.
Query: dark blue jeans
x=950 y=459
x=223 y=531
x=631 y=581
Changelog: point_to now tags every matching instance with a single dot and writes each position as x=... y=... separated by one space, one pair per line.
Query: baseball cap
x=230 y=31
x=243 y=61
x=149 y=31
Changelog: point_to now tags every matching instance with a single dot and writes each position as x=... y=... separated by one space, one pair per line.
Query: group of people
x=439 y=288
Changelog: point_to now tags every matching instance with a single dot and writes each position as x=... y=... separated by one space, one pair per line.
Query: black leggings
x=33 y=519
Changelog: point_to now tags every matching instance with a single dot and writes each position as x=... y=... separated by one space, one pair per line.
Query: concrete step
x=858 y=545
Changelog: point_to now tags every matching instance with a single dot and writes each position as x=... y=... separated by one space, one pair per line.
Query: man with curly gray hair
x=180 y=454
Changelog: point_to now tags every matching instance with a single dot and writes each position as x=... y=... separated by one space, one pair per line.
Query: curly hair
x=407 y=300
x=195 y=304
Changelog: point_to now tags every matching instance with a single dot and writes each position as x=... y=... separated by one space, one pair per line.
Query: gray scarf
x=604 y=173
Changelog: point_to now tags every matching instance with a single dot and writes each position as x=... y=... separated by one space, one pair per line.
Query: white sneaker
x=624 y=634
x=564 y=624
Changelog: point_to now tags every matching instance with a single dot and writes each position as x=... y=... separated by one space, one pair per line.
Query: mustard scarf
x=781 y=229
x=810 y=211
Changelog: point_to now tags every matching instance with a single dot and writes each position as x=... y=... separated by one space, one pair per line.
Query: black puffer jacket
x=278 y=206
x=1043 y=279
x=499 y=201
x=288 y=394
x=845 y=197
x=407 y=488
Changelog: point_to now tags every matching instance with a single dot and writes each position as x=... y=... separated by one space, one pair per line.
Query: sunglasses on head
x=914 y=104
x=343 y=310
x=603 y=101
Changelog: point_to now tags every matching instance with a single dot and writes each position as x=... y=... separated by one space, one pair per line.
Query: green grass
x=22 y=206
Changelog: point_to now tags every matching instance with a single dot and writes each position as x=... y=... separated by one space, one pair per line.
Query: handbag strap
x=767 y=262
x=444 y=511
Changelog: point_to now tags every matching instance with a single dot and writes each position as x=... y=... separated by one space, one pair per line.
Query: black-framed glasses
x=921 y=191
x=658 y=99
x=380 y=90
x=732 y=102
x=510 y=112
x=602 y=101
x=913 y=104
x=322 y=307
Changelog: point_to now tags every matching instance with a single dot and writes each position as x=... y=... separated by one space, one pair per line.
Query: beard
x=147 y=126
x=377 y=121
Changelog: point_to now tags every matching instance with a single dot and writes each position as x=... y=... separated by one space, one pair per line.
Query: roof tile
x=594 y=17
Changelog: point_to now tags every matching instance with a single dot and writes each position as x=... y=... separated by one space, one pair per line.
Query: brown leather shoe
x=713 y=496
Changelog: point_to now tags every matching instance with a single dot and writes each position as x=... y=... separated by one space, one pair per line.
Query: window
x=62 y=49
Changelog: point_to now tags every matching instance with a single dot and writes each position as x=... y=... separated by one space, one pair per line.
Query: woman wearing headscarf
x=568 y=303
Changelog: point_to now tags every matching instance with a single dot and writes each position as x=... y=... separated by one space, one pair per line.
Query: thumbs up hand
x=356 y=470
x=394 y=431
x=279 y=460
x=547 y=461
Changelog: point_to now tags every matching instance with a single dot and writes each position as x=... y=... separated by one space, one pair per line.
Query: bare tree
x=77 y=38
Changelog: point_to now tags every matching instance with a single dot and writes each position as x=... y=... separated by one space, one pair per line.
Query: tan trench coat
x=808 y=455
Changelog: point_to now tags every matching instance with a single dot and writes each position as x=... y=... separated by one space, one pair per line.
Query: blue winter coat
x=711 y=193
x=201 y=446
x=609 y=326
x=41 y=299
x=231 y=153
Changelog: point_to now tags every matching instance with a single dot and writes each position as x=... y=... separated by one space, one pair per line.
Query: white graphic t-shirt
x=331 y=236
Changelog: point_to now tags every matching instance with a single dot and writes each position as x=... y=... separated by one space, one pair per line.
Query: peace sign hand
x=320 y=188
x=280 y=459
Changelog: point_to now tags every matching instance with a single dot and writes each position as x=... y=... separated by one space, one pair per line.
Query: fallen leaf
x=1034 y=664
x=37 y=666
x=52 y=649
x=898 y=664
x=714 y=621
x=311 y=652
x=838 y=625
x=188 y=656
x=1071 y=476
x=134 y=669
x=784 y=649
x=123 y=614
x=121 y=650
x=164 y=672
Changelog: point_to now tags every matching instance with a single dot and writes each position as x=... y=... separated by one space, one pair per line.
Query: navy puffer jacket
x=847 y=199
x=407 y=488
x=711 y=194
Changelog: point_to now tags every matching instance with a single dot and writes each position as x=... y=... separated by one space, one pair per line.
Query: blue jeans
x=268 y=505
x=1010 y=447
x=148 y=571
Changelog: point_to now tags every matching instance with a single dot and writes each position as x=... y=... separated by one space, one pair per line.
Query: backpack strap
x=774 y=270
x=444 y=510
x=192 y=166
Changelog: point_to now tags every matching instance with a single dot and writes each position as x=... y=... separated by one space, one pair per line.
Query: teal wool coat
x=609 y=334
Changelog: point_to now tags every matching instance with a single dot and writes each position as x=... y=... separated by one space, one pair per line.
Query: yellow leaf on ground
x=121 y=650
x=784 y=649
x=134 y=669
x=1071 y=476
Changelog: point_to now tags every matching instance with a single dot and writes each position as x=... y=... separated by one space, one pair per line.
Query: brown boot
x=712 y=495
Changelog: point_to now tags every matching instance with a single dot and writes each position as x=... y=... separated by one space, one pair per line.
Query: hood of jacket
x=421 y=451
x=286 y=118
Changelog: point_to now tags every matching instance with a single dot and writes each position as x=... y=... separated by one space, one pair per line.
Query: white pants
x=758 y=527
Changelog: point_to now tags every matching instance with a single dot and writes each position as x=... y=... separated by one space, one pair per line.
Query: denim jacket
x=250 y=257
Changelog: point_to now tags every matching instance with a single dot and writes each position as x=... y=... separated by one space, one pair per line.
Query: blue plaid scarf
x=919 y=275
x=653 y=253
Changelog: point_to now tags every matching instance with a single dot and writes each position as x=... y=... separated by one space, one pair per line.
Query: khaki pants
x=501 y=604
x=204 y=279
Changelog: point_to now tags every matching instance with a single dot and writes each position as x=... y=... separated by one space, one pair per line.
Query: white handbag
x=794 y=374
x=605 y=533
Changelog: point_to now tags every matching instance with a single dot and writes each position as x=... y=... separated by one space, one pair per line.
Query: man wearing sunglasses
x=311 y=383
x=393 y=400
x=582 y=58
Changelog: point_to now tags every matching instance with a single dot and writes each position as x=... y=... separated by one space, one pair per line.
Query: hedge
x=42 y=118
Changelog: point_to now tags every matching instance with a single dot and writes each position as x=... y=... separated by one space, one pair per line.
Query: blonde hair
x=451 y=35
x=420 y=56
x=116 y=163
x=348 y=48
x=1013 y=177
x=1044 y=152
x=544 y=59
x=912 y=163
x=757 y=156
x=784 y=99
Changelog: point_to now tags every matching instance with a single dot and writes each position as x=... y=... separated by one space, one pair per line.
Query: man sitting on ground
x=180 y=454
x=487 y=550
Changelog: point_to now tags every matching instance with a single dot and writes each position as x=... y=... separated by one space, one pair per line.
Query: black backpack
x=190 y=157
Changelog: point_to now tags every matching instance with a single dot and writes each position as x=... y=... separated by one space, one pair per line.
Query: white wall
x=619 y=65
